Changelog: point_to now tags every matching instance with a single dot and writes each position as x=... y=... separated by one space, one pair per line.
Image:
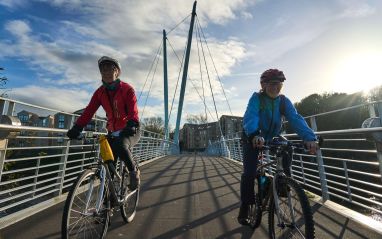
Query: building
x=65 y=121
x=231 y=125
x=31 y=119
x=28 y=118
x=197 y=136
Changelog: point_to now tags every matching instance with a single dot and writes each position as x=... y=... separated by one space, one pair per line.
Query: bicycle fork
x=276 y=181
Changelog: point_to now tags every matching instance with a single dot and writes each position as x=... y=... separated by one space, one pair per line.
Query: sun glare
x=358 y=73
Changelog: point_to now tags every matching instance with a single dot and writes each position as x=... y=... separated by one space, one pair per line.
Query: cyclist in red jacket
x=120 y=104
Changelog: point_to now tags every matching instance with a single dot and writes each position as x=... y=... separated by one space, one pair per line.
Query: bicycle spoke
x=295 y=215
x=81 y=217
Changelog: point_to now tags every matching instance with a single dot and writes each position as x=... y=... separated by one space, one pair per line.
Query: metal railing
x=347 y=169
x=39 y=164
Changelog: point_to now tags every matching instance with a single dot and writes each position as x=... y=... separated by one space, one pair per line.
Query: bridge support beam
x=165 y=83
x=184 y=80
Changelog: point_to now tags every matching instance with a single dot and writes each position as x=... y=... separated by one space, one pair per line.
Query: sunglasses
x=274 y=83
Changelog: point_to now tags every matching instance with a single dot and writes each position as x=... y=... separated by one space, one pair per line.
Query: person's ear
x=262 y=85
x=118 y=72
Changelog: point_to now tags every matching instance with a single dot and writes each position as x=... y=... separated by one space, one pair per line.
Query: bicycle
x=290 y=214
x=96 y=193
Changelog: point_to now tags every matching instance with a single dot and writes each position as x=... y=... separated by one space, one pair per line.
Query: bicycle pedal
x=111 y=212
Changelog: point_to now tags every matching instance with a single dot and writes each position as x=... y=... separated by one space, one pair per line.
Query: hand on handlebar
x=311 y=146
x=258 y=142
x=74 y=132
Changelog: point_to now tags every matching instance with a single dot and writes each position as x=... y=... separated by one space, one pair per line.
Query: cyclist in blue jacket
x=262 y=121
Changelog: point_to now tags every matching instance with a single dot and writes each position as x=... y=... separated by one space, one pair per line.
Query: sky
x=49 y=50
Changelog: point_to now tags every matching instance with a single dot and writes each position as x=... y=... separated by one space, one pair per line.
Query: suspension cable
x=188 y=78
x=213 y=63
x=177 y=82
x=212 y=93
x=151 y=67
x=197 y=33
x=178 y=24
x=152 y=79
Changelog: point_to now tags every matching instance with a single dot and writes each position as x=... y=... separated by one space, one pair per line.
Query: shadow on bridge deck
x=187 y=196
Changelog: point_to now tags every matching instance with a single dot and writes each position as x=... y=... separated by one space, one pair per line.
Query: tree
x=197 y=119
x=315 y=104
x=375 y=94
x=154 y=124
x=3 y=82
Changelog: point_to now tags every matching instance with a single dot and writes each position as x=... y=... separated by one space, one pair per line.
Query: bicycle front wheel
x=83 y=217
x=296 y=219
x=255 y=213
x=131 y=198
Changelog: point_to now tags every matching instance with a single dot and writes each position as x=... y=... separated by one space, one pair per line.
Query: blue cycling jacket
x=267 y=121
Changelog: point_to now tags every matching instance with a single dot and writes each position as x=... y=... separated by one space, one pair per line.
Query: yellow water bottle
x=105 y=149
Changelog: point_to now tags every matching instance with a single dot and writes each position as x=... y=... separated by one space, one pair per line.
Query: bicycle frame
x=104 y=170
x=104 y=174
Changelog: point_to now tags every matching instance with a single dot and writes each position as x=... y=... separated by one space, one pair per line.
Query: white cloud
x=18 y=28
x=12 y=3
x=68 y=100
x=355 y=9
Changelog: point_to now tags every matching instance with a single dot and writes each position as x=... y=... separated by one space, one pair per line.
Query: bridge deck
x=190 y=196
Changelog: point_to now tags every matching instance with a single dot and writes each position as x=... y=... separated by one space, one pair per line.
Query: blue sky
x=50 y=48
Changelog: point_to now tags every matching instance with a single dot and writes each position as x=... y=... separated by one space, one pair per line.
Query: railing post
x=372 y=112
x=2 y=106
x=3 y=152
x=320 y=162
x=302 y=170
x=347 y=180
x=378 y=144
x=11 y=108
x=36 y=176
x=64 y=161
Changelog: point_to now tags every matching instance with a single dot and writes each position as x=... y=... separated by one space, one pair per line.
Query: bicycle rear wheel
x=81 y=217
x=129 y=207
x=295 y=212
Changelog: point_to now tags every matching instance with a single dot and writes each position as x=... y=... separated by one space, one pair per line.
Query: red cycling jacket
x=120 y=106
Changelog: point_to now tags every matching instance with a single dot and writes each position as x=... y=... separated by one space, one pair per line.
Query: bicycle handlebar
x=88 y=135
x=282 y=142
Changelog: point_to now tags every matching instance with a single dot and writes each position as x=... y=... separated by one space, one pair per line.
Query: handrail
x=347 y=170
x=39 y=164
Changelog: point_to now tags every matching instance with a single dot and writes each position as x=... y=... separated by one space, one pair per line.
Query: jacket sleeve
x=132 y=106
x=251 y=117
x=298 y=123
x=89 y=111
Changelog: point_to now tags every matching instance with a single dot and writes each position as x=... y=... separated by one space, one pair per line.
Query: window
x=23 y=118
x=43 y=122
x=61 y=121
x=61 y=125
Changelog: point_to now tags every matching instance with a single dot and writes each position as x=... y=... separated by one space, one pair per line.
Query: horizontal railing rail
x=39 y=164
x=347 y=169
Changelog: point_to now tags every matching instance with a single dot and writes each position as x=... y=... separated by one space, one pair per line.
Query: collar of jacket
x=263 y=94
x=113 y=85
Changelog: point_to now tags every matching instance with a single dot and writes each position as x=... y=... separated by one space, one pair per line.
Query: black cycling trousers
x=247 y=184
x=121 y=146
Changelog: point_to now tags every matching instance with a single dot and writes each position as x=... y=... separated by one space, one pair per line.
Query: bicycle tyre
x=97 y=222
x=304 y=227
x=255 y=213
x=129 y=207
